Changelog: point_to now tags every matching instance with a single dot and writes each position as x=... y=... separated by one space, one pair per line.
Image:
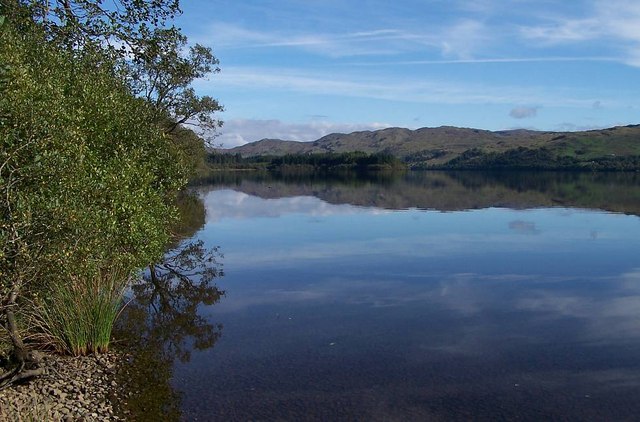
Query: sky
x=301 y=69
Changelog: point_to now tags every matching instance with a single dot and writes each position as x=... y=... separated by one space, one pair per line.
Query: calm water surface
x=420 y=297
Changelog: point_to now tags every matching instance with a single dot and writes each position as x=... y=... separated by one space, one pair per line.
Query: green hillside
x=452 y=147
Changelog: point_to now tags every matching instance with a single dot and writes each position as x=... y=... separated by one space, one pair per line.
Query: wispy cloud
x=432 y=91
x=461 y=38
x=613 y=22
x=498 y=60
x=564 y=30
x=279 y=57
x=464 y=38
x=377 y=42
x=457 y=39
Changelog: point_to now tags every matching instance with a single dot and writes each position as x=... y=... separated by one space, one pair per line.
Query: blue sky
x=298 y=70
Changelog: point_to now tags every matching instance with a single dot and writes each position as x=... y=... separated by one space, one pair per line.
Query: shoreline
x=81 y=388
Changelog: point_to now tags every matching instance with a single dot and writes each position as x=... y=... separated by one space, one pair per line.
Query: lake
x=419 y=296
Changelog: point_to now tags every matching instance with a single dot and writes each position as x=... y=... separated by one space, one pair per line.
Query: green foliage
x=192 y=151
x=216 y=159
x=349 y=159
x=80 y=22
x=87 y=177
x=191 y=216
x=162 y=74
x=150 y=55
x=517 y=158
x=87 y=155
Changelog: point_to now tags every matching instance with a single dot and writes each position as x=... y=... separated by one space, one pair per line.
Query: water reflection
x=354 y=300
x=350 y=299
x=172 y=292
x=451 y=191
x=162 y=322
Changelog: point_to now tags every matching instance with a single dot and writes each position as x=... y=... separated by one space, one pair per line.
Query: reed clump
x=77 y=317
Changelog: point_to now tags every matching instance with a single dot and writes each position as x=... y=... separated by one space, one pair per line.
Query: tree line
x=317 y=161
x=94 y=103
x=522 y=158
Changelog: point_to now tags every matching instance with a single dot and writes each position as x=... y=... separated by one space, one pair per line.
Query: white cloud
x=241 y=131
x=523 y=112
x=463 y=39
x=612 y=315
x=620 y=18
x=229 y=204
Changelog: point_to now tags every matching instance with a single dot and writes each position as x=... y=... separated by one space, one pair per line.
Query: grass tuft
x=78 y=317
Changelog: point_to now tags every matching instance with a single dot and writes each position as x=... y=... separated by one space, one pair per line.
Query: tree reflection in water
x=161 y=323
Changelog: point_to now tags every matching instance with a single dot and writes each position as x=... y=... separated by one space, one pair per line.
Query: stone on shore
x=73 y=388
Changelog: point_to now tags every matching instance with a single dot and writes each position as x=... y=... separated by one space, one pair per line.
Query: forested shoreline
x=535 y=159
x=520 y=158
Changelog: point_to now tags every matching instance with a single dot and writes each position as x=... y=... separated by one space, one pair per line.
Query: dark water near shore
x=430 y=296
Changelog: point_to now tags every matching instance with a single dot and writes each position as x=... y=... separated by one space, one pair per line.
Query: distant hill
x=433 y=147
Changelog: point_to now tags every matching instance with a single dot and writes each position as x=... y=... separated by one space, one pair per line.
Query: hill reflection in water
x=449 y=191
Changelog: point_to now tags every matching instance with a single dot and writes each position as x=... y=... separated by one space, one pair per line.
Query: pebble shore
x=72 y=389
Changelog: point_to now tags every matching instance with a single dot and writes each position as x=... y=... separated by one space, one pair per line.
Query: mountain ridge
x=435 y=146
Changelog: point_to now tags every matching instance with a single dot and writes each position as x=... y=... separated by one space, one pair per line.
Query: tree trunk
x=27 y=364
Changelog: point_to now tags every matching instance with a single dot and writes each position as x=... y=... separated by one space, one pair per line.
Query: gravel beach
x=72 y=389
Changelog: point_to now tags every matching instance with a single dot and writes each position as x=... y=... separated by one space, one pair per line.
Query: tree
x=162 y=74
x=115 y=25
x=148 y=52
x=87 y=178
x=163 y=323
x=92 y=153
